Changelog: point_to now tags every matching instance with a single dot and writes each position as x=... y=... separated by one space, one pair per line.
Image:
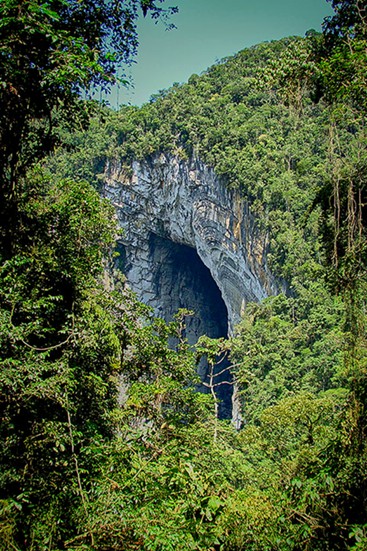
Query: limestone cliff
x=169 y=201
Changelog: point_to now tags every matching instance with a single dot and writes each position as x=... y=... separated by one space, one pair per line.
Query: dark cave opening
x=181 y=280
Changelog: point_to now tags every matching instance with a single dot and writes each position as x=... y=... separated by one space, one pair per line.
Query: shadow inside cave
x=181 y=280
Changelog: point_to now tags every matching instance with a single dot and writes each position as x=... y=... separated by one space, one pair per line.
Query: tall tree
x=343 y=67
x=49 y=52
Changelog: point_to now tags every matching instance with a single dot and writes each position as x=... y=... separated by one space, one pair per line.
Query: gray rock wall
x=186 y=203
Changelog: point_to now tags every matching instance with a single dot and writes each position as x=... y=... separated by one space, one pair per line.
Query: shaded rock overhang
x=186 y=202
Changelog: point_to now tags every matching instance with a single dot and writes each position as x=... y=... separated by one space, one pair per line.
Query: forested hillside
x=105 y=442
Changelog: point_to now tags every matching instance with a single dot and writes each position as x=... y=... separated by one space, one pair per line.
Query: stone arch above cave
x=186 y=203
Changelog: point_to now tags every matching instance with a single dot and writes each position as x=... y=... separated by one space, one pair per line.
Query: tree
x=348 y=21
x=343 y=68
x=59 y=358
x=216 y=353
x=49 y=53
x=343 y=58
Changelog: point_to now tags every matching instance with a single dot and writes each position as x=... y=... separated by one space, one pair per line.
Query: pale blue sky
x=208 y=30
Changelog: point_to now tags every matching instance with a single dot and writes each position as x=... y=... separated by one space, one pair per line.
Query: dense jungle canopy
x=285 y=124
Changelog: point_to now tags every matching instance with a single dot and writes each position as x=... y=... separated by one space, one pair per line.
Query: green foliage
x=176 y=477
x=343 y=63
x=105 y=444
x=58 y=350
x=285 y=346
x=50 y=53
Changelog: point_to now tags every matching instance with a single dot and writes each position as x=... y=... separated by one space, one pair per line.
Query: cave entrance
x=181 y=280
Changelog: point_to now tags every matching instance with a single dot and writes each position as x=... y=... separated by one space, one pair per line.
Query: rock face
x=188 y=242
x=186 y=203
